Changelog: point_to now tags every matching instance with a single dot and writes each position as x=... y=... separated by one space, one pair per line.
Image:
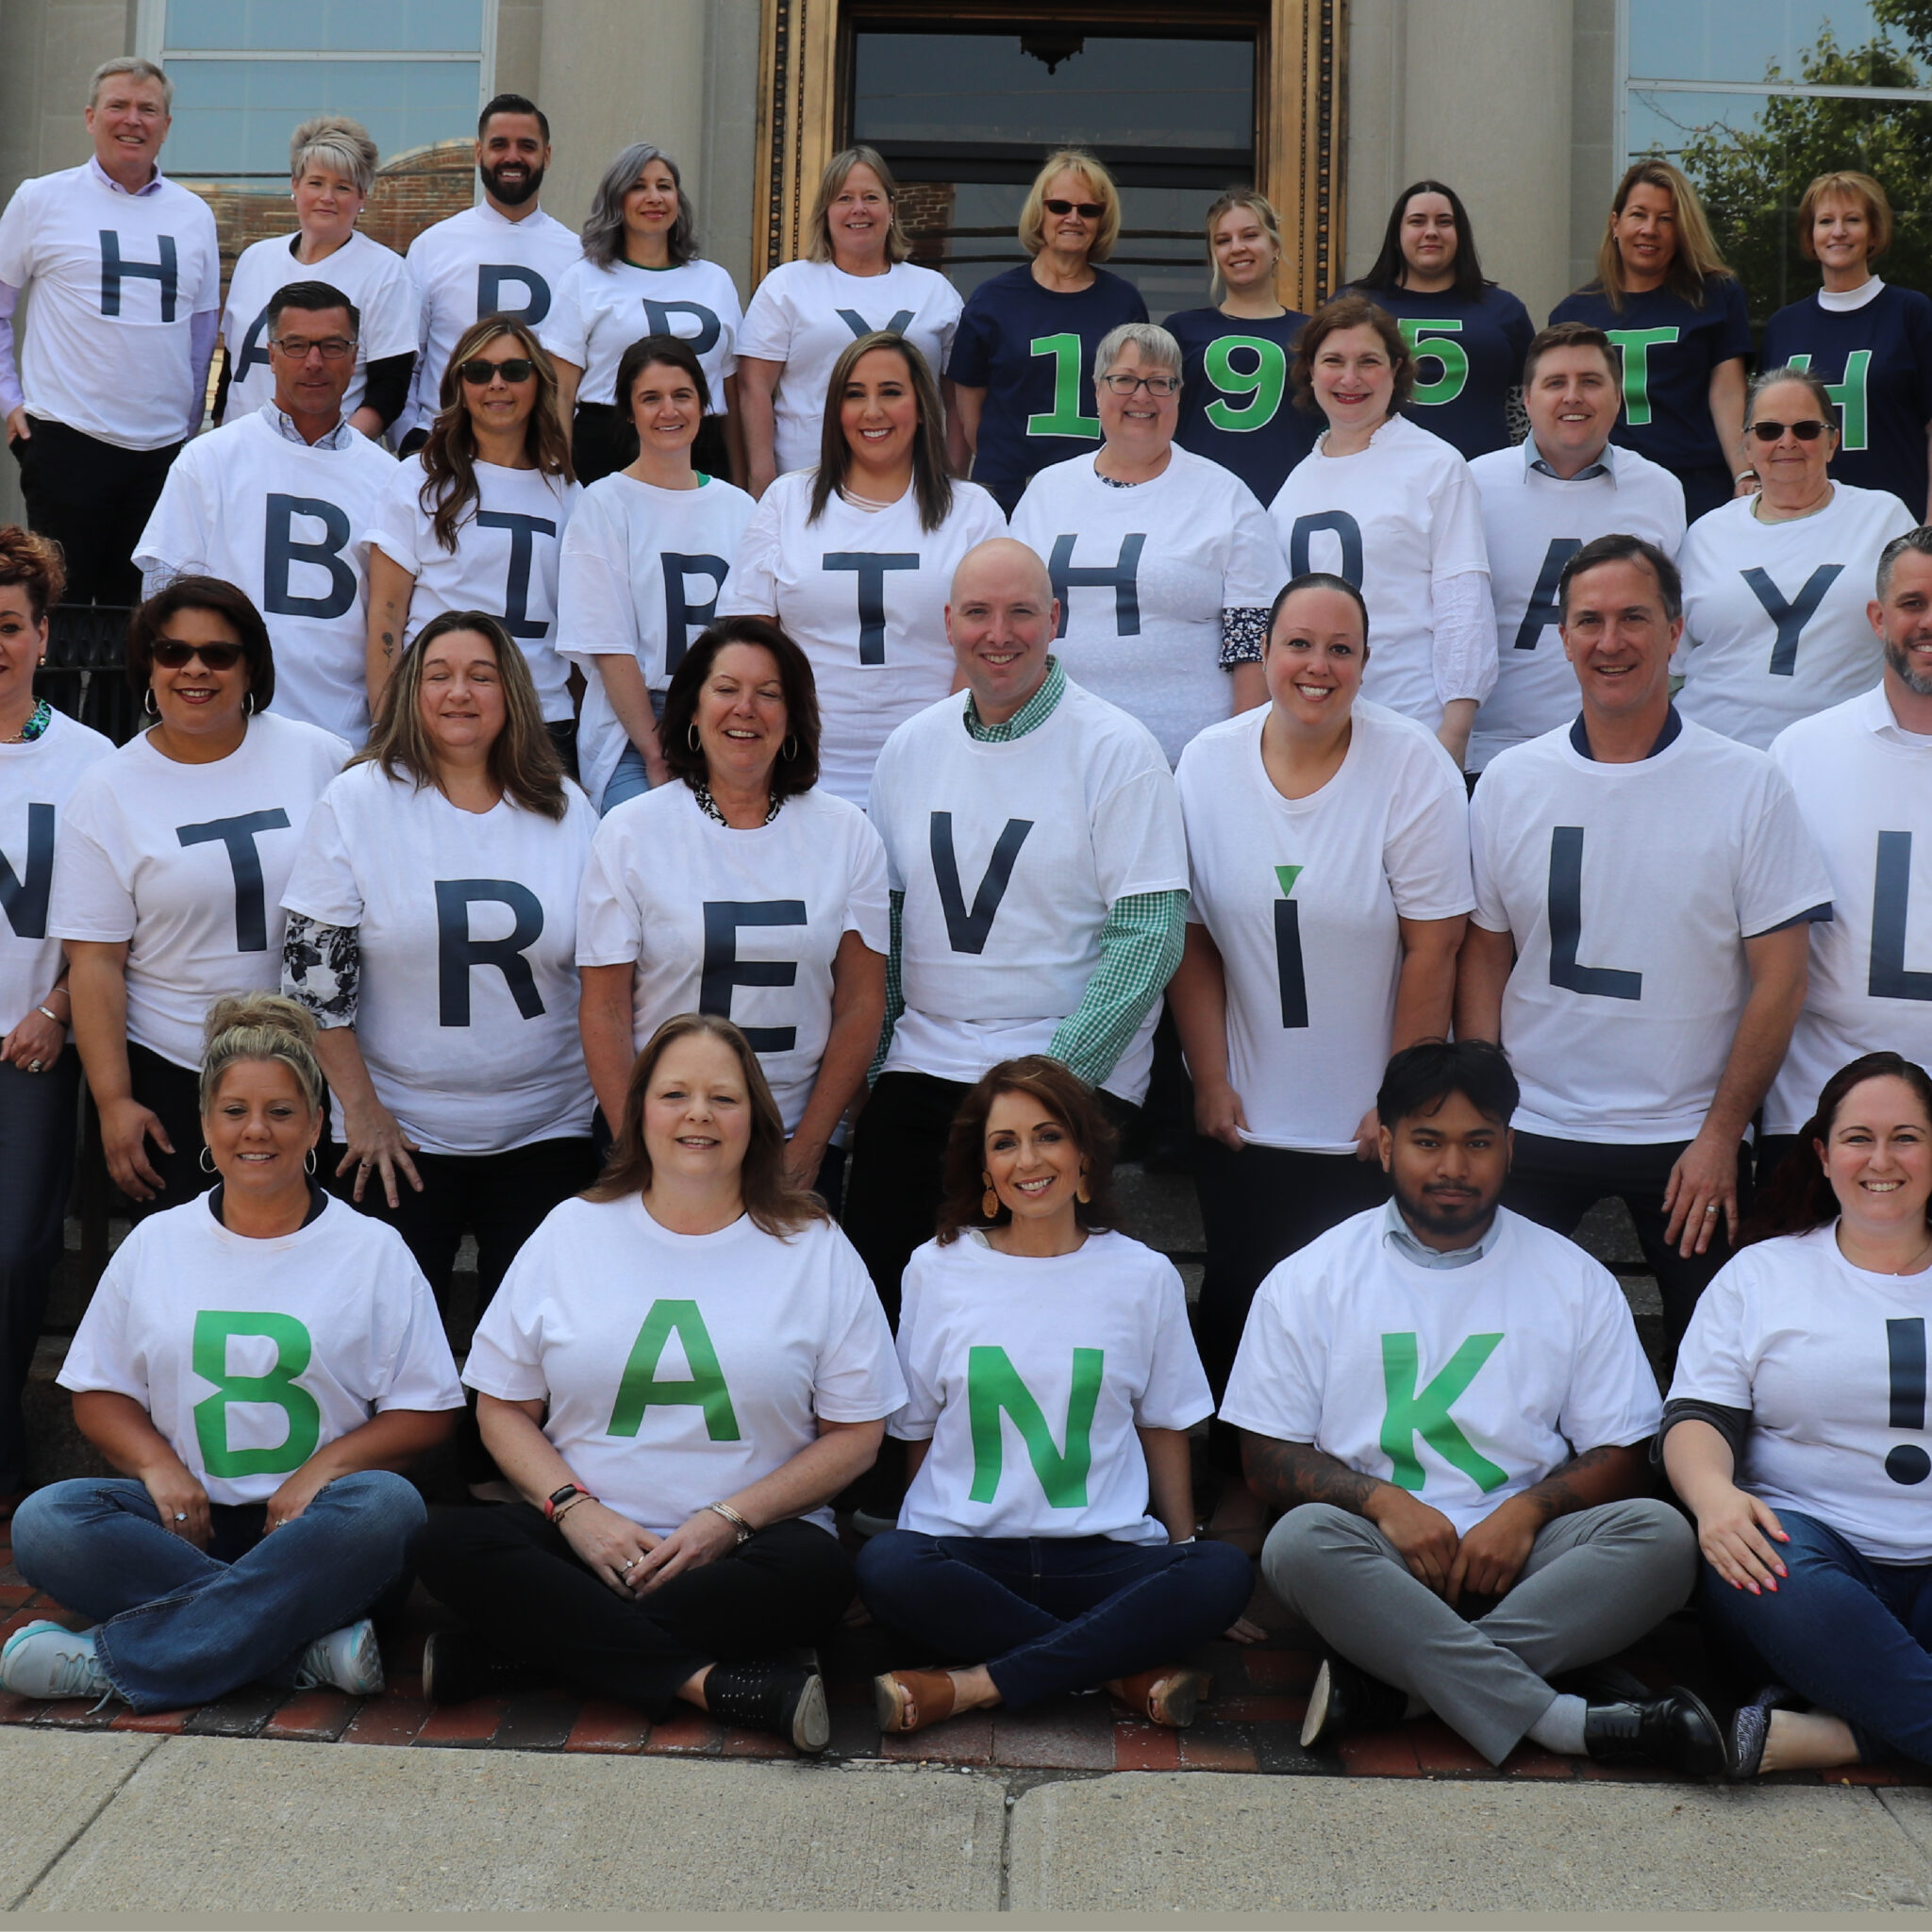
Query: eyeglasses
x=330 y=348
x=1087 y=210
x=1804 y=432
x=170 y=654
x=477 y=372
x=1154 y=385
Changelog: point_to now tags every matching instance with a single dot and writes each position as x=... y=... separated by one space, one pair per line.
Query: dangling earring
x=990 y=1201
x=690 y=735
x=148 y=704
x=308 y=1161
x=1080 y=1193
x=207 y=1161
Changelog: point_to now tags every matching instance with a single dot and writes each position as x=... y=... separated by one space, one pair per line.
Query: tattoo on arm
x=389 y=643
x=1285 y=1473
x=1557 y=1494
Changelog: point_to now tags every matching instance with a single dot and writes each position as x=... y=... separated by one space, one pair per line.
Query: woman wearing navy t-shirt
x=1020 y=378
x=1677 y=314
x=1870 y=344
x=1469 y=335
x=1237 y=402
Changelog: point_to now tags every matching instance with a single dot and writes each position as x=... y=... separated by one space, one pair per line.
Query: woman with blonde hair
x=1867 y=340
x=1677 y=315
x=331 y=172
x=856 y=278
x=1016 y=408
x=475 y=521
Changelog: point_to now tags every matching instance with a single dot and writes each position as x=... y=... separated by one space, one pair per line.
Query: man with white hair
x=111 y=376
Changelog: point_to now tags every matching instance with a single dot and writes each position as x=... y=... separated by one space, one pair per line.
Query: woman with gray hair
x=1164 y=563
x=640 y=275
x=331 y=174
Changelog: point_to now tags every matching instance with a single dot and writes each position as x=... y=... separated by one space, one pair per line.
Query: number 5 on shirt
x=1434 y=338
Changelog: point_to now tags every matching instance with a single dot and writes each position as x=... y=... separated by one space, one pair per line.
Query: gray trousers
x=1595 y=1581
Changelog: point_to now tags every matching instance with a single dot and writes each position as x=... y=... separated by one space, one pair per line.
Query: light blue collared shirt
x=1397 y=1233
x=1605 y=465
x=284 y=423
x=106 y=180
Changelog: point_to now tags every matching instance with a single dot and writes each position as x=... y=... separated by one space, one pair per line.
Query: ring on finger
x=1711 y=1209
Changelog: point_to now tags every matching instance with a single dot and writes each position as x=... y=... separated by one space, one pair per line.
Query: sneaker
x=49 y=1661
x=345 y=1659
x=778 y=1698
x=457 y=1667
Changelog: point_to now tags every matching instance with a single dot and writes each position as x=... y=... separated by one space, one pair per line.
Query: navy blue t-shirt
x=1469 y=356
x=1877 y=363
x=1668 y=351
x=1238 y=405
x=1031 y=350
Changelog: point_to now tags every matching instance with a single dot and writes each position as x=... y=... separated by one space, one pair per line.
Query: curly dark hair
x=797 y=767
x=1351 y=312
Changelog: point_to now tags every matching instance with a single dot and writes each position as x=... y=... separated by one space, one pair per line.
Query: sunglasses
x=172 y=655
x=477 y=372
x=1087 y=210
x=1804 y=432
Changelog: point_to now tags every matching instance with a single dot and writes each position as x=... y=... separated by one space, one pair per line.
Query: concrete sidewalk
x=104 y=1823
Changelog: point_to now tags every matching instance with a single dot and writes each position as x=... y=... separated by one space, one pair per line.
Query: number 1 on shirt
x=1065 y=418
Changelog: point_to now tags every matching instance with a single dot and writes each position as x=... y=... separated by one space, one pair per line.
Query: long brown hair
x=930 y=483
x=449 y=457
x=522 y=758
x=1695 y=258
x=776 y=1206
x=1045 y=1080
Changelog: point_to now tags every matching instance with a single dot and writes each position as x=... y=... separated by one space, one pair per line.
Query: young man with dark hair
x=1452 y=1405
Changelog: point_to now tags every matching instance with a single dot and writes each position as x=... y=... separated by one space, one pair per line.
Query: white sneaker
x=345 y=1659
x=46 y=1660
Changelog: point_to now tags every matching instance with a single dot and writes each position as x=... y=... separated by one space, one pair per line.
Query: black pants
x=37 y=1123
x=93 y=499
x=1770 y=1154
x=516 y=1582
x=893 y=1181
x=1257 y=1207
x=1559 y=1182
x=1706 y=487
x=173 y=1095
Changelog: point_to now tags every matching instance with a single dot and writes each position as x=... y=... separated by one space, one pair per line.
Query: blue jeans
x=1852 y=1636
x=1046 y=1614
x=626 y=781
x=180 y=1625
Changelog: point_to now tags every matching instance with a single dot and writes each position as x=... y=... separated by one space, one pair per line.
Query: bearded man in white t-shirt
x=126 y=280
x=1451 y=1404
x=1645 y=892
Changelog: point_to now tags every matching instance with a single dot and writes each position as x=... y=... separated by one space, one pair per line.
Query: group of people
x=720 y=816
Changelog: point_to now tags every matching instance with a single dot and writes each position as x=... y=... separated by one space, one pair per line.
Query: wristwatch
x=556 y=1499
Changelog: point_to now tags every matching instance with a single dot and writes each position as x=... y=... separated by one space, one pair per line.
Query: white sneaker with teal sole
x=49 y=1661
x=345 y=1659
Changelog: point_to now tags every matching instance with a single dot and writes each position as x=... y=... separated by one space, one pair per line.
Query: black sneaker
x=457 y=1667
x=1346 y=1699
x=780 y=1698
x=1676 y=1730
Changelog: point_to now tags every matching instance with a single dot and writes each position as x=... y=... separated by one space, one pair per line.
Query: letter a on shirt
x=705 y=1386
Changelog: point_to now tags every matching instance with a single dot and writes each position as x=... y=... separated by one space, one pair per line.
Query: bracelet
x=563 y=1509
x=745 y=1530
x=55 y=1017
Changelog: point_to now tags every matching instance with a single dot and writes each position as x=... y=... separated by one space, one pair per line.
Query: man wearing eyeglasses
x=274 y=504
x=125 y=279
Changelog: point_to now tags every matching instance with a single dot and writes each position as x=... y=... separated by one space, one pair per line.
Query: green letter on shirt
x=1065 y=419
x=1849 y=394
x=1428 y=1414
x=1635 y=345
x=640 y=1388
x=213 y=1328
x=1264 y=385
x=1431 y=339
x=992 y=1384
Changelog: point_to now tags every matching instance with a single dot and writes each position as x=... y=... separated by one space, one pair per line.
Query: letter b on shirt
x=281 y=551
x=215 y=1329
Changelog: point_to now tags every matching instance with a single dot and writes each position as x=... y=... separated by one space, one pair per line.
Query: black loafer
x=1345 y=1699
x=1676 y=1730
x=779 y=1698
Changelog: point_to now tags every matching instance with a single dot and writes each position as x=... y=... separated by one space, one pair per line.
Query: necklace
x=1913 y=1267
x=35 y=726
x=708 y=805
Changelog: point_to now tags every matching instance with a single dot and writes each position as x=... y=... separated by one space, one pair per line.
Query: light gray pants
x=1595 y=1581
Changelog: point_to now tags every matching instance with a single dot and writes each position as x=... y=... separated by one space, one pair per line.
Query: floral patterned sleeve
x=1243 y=633
x=322 y=968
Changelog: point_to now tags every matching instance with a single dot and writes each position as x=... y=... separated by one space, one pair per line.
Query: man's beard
x=1427 y=1215
x=512 y=194
x=1918 y=682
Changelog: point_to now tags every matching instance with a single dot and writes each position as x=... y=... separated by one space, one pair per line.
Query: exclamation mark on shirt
x=1905 y=1343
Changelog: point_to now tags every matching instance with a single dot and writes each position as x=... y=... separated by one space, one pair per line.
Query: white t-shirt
x=282 y=520
x=1142 y=575
x=1775 y=625
x=116 y=281
x=864 y=595
x=187 y=863
x=1310 y=1000
x=1463 y=1386
x=1824 y=1356
x=599 y=313
x=742 y=924
x=505 y=562
x=1629 y=891
x=250 y=1354
x=1066 y=1356
x=640 y=571
x=1864 y=788
x=806 y=314
x=1532 y=526
x=373 y=277
x=680 y=1369
x=466 y=1015
x=35 y=782
x=475 y=264
x=1011 y=854
x=1394 y=519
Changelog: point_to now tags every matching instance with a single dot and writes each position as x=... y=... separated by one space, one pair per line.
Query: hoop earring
x=690 y=735
x=148 y=704
x=248 y=704
x=990 y=1201
x=205 y=1159
x=308 y=1161
x=1081 y=1193
x=790 y=749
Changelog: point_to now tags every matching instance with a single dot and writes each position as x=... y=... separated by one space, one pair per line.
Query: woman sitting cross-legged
x=682 y=1369
x=256 y=1362
x=1046 y=1542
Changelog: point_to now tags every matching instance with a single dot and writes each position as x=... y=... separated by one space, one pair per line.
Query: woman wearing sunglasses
x=476 y=520
x=168 y=872
x=1015 y=406
x=1775 y=585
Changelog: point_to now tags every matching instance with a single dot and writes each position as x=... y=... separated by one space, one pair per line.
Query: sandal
x=1167 y=1694
x=910 y=1700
